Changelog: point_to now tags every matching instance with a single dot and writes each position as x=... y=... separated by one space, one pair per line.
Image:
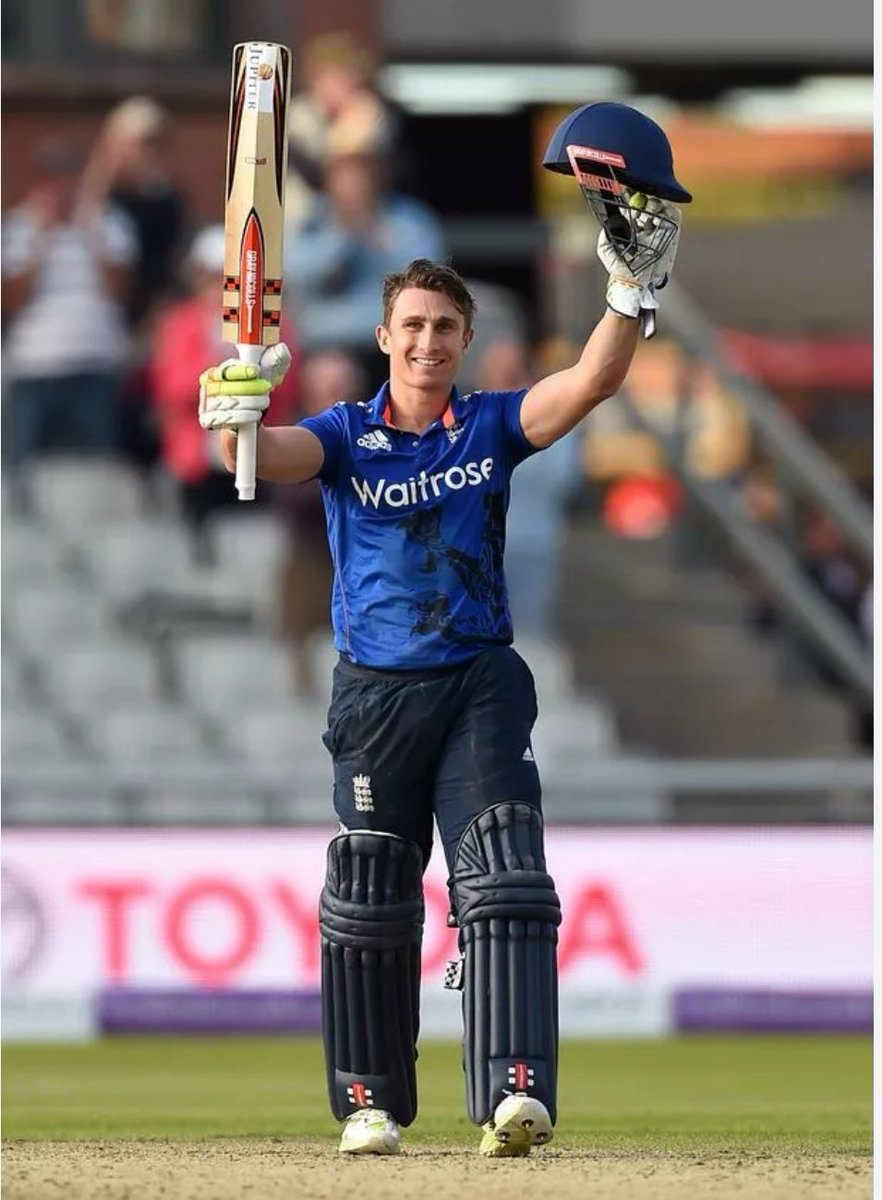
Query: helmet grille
x=640 y=237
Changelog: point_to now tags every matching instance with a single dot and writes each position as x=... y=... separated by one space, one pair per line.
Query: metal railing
x=807 y=473
x=805 y=466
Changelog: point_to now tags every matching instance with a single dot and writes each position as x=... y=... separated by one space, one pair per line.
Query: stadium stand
x=139 y=557
x=124 y=656
x=75 y=496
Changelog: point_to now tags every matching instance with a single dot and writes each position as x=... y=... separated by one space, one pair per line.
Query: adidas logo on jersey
x=424 y=486
x=375 y=440
x=527 y=756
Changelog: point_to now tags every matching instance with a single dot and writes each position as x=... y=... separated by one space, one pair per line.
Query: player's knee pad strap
x=371 y=923
x=508 y=913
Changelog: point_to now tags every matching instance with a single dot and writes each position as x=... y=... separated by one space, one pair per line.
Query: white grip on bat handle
x=246 y=442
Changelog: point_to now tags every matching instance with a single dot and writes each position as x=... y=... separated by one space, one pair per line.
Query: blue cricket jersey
x=416 y=526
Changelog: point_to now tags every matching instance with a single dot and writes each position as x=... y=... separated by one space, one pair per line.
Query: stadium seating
x=197 y=792
x=281 y=733
x=223 y=676
x=102 y=672
x=148 y=733
x=29 y=734
x=62 y=807
x=109 y=717
x=76 y=496
x=30 y=552
x=247 y=554
x=550 y=666
x=16 y=680
x=571 y=730
x=40 y=619
x=131 y=559
x=324 y=655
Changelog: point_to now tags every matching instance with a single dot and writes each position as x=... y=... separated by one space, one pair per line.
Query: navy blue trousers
x=447 y=744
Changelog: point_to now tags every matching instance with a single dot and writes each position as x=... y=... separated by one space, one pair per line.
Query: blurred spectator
x=502 y=319
x=827 y=562
x=763 y=504
x=129 y=166
x=354 y=235
x=67 y=274
x=683 y=398
x=134 y=27
x=642 y=507
x=339 y=85
x=188 y=340
x=307 y=573
x=823 y=557
x=866 y=616
x=540 y=489
x=865 y=712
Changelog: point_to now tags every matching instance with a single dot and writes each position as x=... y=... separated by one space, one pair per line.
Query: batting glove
x=631 y=292
x=234 y=393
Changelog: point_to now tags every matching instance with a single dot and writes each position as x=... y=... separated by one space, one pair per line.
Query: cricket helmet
x=619 y=158
x=622 y=139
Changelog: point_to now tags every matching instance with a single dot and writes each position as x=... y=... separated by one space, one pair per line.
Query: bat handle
x=246 y=442
x=246 y=462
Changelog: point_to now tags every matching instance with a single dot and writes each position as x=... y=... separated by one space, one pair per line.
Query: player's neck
x=415 y=409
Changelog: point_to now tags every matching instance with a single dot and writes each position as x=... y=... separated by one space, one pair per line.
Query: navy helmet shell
x=623 y=133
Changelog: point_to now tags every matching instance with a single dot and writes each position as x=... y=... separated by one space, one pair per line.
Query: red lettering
x=594 y=923
x=115 y=896
x=303 y=922
x=217 y=969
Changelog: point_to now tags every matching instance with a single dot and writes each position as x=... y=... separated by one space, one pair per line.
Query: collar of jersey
x=379 y=410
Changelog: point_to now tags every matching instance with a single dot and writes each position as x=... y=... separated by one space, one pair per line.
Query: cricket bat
x=254 y=216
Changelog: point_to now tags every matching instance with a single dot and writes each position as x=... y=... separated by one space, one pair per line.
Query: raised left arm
x=554 y=405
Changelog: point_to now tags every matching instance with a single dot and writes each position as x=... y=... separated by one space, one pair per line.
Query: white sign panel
x=643 y=909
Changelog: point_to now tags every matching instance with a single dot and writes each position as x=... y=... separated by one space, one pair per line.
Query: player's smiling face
x=425 y=339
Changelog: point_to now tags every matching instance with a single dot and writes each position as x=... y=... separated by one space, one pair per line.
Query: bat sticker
x=251 y=275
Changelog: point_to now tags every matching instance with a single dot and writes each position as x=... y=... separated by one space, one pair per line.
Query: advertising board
x=657 y=922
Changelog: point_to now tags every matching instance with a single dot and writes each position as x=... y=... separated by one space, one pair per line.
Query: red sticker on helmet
x=604 y=156
x=599 y=183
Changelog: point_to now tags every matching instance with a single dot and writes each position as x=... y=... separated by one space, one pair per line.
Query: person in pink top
x=188 y=339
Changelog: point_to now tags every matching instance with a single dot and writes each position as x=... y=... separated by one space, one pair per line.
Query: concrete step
x=668 y=647
x=674 y=656
x=642 y=590
x=599 y=609
x=735 y=720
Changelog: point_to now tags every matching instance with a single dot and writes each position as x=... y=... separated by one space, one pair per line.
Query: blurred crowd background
x=690 y=572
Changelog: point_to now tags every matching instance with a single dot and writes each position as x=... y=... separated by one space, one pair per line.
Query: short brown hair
x=431 y=277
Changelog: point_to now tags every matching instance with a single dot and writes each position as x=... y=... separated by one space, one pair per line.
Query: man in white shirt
x=66 y=273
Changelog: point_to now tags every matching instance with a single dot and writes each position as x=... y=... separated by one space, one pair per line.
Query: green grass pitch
x=789 y=1095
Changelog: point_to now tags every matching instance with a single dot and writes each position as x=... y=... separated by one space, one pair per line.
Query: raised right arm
x=285 y=453
x=235 y=394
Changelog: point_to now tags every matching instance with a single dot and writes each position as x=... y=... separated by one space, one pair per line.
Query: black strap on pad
x=508 y=913
x=371 y=924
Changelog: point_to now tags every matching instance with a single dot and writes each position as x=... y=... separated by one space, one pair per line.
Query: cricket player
x=432 y=710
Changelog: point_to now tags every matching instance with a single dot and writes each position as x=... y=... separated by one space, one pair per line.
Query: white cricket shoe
x=370 y=1131
x=519 y=1124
